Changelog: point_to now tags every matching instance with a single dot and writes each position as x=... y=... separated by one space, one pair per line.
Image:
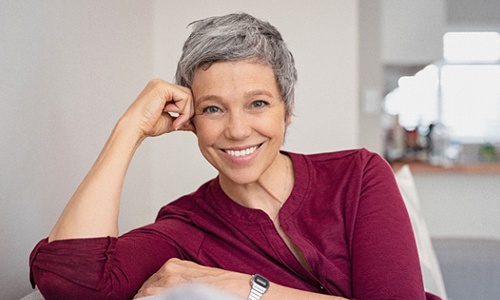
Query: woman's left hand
x=176 y=271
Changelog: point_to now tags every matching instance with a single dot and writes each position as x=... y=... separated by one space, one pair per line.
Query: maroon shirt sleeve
x=99 y=268
x=384 y=255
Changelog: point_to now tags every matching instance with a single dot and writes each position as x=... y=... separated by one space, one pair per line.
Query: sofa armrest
x=36 y=295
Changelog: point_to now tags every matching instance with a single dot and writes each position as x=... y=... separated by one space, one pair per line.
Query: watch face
x=263 y=282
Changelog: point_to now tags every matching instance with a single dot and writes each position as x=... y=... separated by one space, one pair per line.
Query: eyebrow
x=249 y=94
x=208 y=98
x=254 y=93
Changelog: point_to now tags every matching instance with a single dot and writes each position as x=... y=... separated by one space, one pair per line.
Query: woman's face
x=239 y=118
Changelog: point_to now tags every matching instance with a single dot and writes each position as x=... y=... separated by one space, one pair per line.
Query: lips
x=243 y=152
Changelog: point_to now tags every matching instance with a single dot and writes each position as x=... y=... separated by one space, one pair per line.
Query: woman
x=329 y=225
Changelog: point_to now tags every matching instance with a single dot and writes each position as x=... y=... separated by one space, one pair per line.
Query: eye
x=259 y=103
x=211 y=110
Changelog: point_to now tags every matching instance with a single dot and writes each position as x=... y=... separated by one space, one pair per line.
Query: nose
x=238 y=127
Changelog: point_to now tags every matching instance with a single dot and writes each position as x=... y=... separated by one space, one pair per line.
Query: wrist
x=258 y=287
x=126 y=128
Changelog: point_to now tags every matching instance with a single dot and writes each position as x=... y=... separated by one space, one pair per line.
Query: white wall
x=371 y=79
x=68 y=71
x=412 y=31
x=70 y=68
x=464 y=14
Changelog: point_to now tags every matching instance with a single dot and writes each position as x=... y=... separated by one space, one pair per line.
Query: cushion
x=193 y=292
x=433 y=279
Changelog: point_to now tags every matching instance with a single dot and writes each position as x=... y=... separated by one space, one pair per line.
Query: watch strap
x=259 y=285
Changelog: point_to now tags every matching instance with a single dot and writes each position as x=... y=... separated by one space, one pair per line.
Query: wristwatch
x=259 y=285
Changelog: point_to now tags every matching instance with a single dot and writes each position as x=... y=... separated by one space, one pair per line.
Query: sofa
x=470 y=267
x=456 y=268
x=452 y=267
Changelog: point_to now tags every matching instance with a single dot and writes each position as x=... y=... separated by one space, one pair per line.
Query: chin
x=241 y=177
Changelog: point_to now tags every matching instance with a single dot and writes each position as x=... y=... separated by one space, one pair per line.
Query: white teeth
x=237 y=153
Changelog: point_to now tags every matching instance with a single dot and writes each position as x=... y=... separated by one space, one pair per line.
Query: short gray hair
x=234 y=37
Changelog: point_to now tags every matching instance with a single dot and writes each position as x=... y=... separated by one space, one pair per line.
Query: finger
x=184 y=109
x=147 y=111
x=188 y=126
x=182 y=120
x=175 y=99
x=175 y=112
x=179 y=98
x=164 y=124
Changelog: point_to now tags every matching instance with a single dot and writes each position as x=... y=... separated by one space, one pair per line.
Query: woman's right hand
x=160 y=108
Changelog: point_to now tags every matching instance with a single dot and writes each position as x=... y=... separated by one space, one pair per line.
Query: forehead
x=234 y=78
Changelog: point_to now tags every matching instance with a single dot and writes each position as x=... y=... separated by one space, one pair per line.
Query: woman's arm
x=176 y=271
x=383 y=252
x=93 y=209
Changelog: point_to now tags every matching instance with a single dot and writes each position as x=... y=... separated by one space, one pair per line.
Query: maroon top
x=345 y=214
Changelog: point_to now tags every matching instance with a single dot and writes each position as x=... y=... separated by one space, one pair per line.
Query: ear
x=193 y=126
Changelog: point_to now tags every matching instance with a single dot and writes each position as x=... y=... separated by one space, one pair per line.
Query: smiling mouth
x=244 y=152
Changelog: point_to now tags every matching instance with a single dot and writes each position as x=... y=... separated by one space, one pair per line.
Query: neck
x=269 y=192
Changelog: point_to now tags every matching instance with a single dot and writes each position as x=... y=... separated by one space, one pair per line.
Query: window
x=462 y=91
x=470 y=102
x=471 y=47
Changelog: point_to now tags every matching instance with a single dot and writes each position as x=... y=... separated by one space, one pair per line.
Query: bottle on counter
x=439 y=138
x=395 y=140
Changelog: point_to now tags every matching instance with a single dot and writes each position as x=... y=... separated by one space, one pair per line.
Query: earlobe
x=193 y=127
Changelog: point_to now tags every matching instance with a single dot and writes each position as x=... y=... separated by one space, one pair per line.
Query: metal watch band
x=254 y=294
x=259 y=286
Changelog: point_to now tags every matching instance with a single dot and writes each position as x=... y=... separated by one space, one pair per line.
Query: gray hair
x=236 y=37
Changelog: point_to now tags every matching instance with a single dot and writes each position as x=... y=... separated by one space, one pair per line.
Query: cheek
x=275 y=125
x=205 y=131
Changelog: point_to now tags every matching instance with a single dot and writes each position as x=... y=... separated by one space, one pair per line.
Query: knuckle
x=150 y=290
x=174 y=261
x=170 y=265
x=156 y=81
x=186 y=89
